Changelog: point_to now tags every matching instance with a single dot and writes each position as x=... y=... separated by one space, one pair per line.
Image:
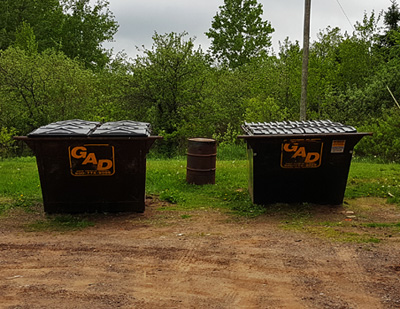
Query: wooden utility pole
x=304 y=73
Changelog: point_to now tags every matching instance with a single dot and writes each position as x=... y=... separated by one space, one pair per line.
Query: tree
x=84 y=30
x=44 y=16
x=25 y=39
x=167 y=84
x=37 y=89
x=75 y=27
x=391 y=17
x=238 y=33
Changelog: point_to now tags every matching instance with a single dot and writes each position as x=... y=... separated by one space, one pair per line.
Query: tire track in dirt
x=356 y=280
x=337 y=278
x=253 y=276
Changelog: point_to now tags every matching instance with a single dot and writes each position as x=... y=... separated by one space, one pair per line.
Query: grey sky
x=139 y=19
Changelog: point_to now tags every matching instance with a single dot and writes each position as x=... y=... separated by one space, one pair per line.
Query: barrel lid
x=296 y=127
x=83 y=128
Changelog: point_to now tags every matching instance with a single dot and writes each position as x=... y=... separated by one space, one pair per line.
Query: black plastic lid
x=123 y=128
x=82 y=128
x=65 y=128
x=296 y=127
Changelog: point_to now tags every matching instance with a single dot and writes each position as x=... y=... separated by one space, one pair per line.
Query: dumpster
x=87 y=166
x=299 y=161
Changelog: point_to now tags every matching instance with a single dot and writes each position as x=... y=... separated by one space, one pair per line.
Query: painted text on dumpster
x=301 y=153
x=92 y=160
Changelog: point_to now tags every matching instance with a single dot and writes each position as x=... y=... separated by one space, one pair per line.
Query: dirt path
x=195 y=259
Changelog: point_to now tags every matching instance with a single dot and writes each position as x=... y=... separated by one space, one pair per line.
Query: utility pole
x=304 y=72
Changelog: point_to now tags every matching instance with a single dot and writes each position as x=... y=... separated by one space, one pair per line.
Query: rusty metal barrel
x=201 y=161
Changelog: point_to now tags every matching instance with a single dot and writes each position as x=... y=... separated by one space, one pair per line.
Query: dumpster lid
x=75 y=127
x=123 y=128
x=83 y=128
x=296 y=127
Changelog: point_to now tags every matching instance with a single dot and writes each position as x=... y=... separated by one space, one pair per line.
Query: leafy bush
x=385 y=142
x=7 y=144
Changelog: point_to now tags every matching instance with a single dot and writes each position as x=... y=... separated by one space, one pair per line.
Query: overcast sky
x=138 y=19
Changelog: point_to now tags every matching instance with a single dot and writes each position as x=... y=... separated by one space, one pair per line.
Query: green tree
x=85 y=28
x=238 y=33
x=45 y=17
x=76 y=27
x=289 y=68
x=391 y=20
x=392 y=16
x=167 y=83
x=38 y=89
x=25 y=39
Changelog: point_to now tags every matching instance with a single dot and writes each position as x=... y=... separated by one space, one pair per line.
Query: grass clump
x=61 y=223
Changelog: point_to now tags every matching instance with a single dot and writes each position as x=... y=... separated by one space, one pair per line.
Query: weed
x=171 y=196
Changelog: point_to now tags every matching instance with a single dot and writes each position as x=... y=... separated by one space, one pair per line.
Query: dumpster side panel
x=88 y=188
x=250 y=160
x=321 y=182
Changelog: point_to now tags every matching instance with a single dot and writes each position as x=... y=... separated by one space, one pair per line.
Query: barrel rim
x=202 y=139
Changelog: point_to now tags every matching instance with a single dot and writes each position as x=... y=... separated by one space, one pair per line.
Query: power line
x=345 y=15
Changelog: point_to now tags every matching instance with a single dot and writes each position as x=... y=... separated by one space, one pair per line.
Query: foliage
x=45 y=17
x=179 y=90
x=238 y=33
x=385 y=141
x=76 y=27
x=7 y=144
x=392 y=16
x=84 y=30
x=264 y=111
x=25 y=39
x=167 y=85
x=41 y=88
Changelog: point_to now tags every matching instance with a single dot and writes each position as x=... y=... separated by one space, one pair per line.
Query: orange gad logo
x=301 y=153
x=92 y=160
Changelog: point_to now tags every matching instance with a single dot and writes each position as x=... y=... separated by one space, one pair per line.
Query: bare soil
x=202 y=259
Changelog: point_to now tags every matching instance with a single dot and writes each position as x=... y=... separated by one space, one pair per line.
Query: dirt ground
x=199 y=259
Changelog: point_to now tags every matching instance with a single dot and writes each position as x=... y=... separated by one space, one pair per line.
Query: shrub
x=385 y=142
x=7 y=144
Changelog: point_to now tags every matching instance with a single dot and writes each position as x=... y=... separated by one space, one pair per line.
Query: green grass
x=166 y=178
x=374 y=180
x=19 y=183
x=20 y=186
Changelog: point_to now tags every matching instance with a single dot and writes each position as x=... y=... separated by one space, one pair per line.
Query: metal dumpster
x=87 y=166
x=299 y=161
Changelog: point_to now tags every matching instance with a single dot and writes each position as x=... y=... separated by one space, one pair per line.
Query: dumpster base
x=75 y=208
